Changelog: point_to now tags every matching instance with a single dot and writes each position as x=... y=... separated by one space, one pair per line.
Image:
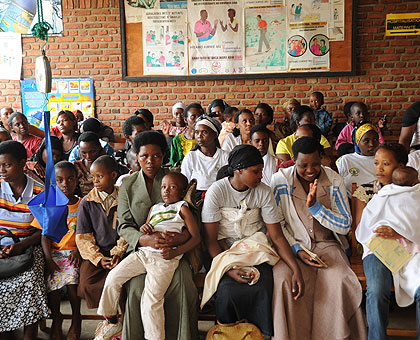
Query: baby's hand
x=147 y=228
x=387 y=232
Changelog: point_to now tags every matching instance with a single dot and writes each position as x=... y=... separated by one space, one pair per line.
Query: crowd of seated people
x=206 y=184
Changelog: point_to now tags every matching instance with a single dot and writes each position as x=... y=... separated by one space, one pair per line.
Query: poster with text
x=265 y=39
x=336 y=23
x=308 y=48
x=303 y=11
x=10 y=55
x=165 y=42
x=173 y=4
x=21 y=15
x=66 y=94
x=135 y=9
x=216 y=32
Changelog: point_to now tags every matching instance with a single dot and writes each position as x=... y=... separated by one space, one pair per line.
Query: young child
x=96 y=237
x=260 y=138
x=132 y=164
x=184 y=142
x=322 y=118
x=358 y=112
x=19 y=125
x=63 y=259
x=228 y=124
x=159 y=264
x=405 y=176
x=180 y=125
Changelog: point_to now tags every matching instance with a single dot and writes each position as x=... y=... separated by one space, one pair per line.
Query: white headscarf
x=176 y=107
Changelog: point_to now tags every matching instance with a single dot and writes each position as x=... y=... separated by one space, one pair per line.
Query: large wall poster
x=265 y=39
x=216 y=37
x=66 y=94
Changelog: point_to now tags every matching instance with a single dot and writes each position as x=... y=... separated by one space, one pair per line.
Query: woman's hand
x=169 y=239
x=75 y=258
x=237 y=275
x=304 y=256
x=39 y=170
x=311 y=199
x=13 y=249
x=166 y=127
x=298 y=285
x=387 y=232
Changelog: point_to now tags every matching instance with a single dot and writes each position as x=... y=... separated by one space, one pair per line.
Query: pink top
x=31 y=144
x=345 y=135
x=201 y=27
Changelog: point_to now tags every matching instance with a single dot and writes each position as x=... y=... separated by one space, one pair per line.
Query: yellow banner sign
x=403 y=24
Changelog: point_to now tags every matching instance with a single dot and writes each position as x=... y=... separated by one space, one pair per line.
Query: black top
x=411 y=115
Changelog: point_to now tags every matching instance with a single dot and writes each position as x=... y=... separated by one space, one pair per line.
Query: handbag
x=241 y=330
x=17 y=264
x=50 y=206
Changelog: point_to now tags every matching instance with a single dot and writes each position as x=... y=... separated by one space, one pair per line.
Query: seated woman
x=357 y=167
x=67 y=125
x=283 y=129
x=302 y=115
x=239 y=207
x=203 y=162
x=22 y=296
x=264 y=116
x=244 y=121
x=20 y=126
x=316 y=219
x=388 y=157
x=216 y=109
x=37 y=164
x=136 y=196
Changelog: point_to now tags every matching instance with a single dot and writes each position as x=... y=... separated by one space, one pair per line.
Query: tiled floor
x=400 y=318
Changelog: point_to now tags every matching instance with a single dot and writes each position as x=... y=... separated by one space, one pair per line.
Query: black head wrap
x=243 y=156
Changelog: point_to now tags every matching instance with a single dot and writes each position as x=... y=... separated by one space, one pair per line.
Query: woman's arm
x=359 y=206
x=19 y=248
x=210 y=234
x=338 y=219
x=285 y=252
x=51 y=265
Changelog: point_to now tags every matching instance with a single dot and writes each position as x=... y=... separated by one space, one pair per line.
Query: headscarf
x=210 y=122
x=243 y=156
x=359 y=132
x=176 y=107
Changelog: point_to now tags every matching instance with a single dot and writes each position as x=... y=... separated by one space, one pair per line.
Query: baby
x=405 y=176
x=158 y=264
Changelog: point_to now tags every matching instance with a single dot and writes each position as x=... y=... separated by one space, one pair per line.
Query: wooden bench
x=199 y=278
x=357 y=266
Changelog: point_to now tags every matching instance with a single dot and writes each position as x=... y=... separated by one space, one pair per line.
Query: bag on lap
x=15 y=264
x=241 y=330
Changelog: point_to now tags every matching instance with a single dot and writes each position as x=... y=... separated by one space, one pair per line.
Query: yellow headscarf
x=362 y=130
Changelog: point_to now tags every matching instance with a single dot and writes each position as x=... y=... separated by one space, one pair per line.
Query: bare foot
x=75 y=328
x=56 y=328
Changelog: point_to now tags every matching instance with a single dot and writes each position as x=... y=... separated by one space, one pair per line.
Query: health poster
x=165 y=42
x=66 y=94
x=216 y=32
x=10 y=55
x=265 y=39
x=21 y=15
x=305 y=11
x=308 y=48
x=134 y=9
x=336 y=23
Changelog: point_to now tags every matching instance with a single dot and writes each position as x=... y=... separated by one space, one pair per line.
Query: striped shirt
x=14 y=213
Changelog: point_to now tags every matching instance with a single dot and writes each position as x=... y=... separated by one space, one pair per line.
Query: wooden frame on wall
x=342 y=54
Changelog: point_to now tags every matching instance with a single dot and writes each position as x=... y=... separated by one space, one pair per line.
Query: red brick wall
x=388 y=71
